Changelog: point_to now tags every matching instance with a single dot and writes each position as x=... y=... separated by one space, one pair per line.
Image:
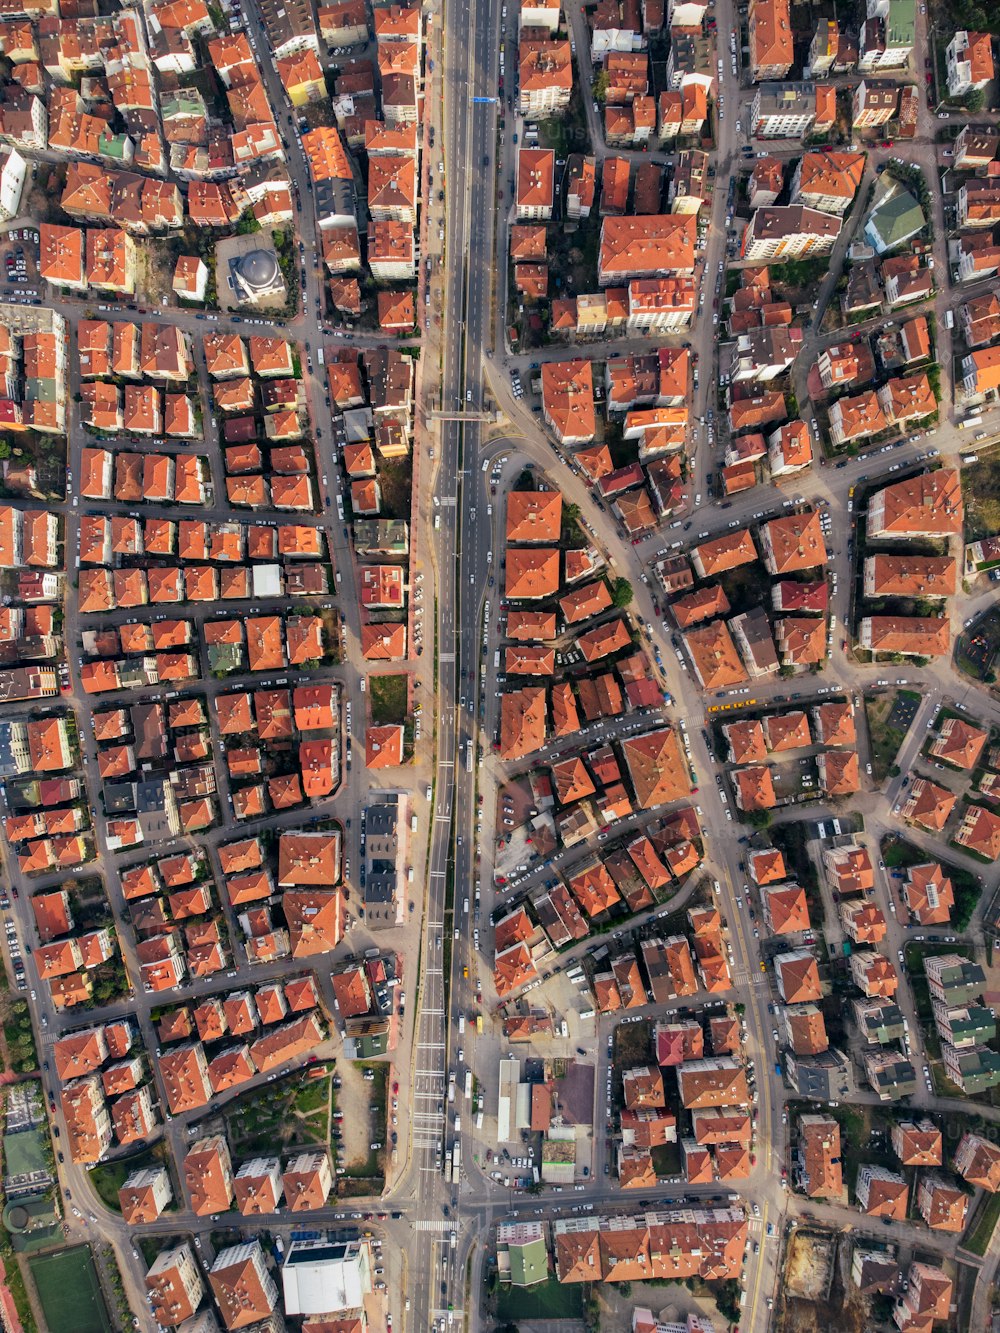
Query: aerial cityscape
x=499 y=649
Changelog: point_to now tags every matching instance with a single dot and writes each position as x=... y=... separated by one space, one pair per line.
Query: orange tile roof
x=532 y=572
x=534 y=516
x=384 y=746
x=926 y=505
x=656 y=767
x=785 y=908
x=798 y=977
x=755 y=788
x=723 y=553
x=746 y=741
x=648 y=246
x=61 y=255
x=794 y=542
x=922 y=636
x=979 y=831
x=568 y=400
x=522 y=722
x=713 y=653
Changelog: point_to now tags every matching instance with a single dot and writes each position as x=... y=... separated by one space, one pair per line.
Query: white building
x=13 y=174
x=969 y=57
x=325 y=1276
x=540 y=14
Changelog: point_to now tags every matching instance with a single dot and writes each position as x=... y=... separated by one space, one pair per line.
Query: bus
x=319 y=355
x=469 y=756
x=456 y=1161
x=479 y=1024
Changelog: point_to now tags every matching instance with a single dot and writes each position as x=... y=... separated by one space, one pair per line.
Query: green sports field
x=70 y=1292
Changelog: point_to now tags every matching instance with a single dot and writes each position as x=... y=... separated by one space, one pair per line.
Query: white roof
x=324 y=1277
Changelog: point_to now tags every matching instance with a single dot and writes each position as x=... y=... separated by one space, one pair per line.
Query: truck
x=975 y=420
x=451 y=1087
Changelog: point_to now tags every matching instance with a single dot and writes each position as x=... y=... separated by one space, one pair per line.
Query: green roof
x=112 y=145
x=978 y=1022
x=897 y=218
x=225 y=656
x=529 y=1263
x=24 y=1152
x=901 y=23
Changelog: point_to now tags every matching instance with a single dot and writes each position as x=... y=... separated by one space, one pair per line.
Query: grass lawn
x=545 y=1300
x=70 y=1292
x=983 y=1224
x=666 y=1159
x=388 y=699
x=108 y=1177
x=282 y=1115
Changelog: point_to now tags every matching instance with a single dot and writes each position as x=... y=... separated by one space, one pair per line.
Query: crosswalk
x=746 y=977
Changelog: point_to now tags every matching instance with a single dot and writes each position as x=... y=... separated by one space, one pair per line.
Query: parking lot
x=19 y=258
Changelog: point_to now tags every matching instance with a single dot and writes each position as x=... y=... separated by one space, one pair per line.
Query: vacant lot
x=633 y=1043
x=981 y=493
x=984 y=1224
x=70 y=1292
x=388 y=696
x=545 y=1300
x=887 y=726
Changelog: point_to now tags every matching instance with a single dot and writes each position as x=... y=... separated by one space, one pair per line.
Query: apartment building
x=969 y=61
x=792 y=110
x=789 y=232
x=771 y=43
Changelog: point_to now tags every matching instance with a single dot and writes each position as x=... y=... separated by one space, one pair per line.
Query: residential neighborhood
x=500 y=743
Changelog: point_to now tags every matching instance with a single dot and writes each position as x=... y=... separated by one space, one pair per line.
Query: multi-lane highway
x=469 y=59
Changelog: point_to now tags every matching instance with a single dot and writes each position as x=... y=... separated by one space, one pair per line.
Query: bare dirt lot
x=808 y=1266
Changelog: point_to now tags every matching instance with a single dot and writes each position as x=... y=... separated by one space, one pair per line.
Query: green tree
x=622 y=594
x=600 y=85
x=974 y=99
x=758 y=818
x=247 y=223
